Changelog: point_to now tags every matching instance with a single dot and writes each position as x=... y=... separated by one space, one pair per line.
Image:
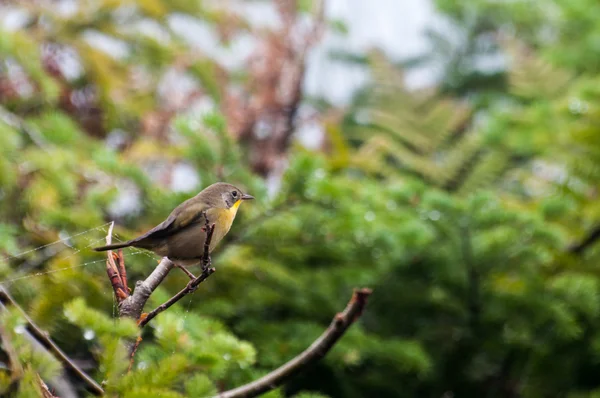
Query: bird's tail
x=112 y=247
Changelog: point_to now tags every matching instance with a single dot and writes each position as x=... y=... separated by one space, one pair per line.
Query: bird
x=181 y=237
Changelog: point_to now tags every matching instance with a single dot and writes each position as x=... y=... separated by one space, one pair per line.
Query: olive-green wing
x=184 y=215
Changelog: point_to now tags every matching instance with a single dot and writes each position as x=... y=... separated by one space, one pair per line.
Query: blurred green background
x=468 y=201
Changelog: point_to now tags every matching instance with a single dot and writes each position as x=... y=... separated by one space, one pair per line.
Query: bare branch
x=44 y=339
x=186 y=271
x=133 y=305
x=341 y=322
x=189 y=288
x=264 y=115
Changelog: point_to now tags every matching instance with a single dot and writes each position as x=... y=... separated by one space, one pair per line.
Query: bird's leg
x=206 y=260
x=206 y=263
x=186 y=271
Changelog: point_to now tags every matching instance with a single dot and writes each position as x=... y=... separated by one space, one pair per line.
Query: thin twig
x=44 y=339
x=116 y=273
x=13 y=361
x=189 y=288
x=341 y=322
x=186 y=271
x=133 y=351
x=46 y=393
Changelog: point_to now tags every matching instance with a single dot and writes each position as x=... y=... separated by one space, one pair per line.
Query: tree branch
x=591 y=238
x=341 y=322
x=133 y=305
x=189 y=288
x=44 y=339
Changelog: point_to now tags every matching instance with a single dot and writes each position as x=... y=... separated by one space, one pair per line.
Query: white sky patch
x=184 y=178
x=127 y=202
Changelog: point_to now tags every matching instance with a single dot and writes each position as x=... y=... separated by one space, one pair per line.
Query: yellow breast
x=223 y=218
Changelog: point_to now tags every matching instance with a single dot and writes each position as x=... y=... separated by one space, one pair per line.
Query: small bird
x=182 y=235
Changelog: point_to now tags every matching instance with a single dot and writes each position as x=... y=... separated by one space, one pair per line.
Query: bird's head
x=225 y=195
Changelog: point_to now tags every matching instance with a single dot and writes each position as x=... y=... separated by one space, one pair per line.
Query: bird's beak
x=247 y=197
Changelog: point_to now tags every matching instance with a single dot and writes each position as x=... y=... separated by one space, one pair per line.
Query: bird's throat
x=235 y=207
x=225 y=217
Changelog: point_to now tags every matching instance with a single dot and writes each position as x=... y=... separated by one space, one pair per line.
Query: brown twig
x=46 y=393
x=133 y=351
x=264 y=116
x=13 y=361
x=116 y=270
x=44 y=339
x=341 y=322
x=186 y=271
x=189 y=288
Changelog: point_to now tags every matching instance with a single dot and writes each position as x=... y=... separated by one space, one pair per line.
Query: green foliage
x=457 y=205
x=36 y=360
x=401 y=132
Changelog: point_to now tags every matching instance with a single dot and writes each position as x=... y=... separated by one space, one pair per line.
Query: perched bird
x=182 y=235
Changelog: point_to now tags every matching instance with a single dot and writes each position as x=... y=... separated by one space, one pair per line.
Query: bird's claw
x=191 y=287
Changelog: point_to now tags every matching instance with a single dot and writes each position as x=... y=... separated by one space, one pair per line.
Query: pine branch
x=44 y=339
x=340 y=323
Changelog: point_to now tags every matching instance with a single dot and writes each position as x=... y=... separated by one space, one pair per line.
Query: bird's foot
x=186 y=271
x=191 y=288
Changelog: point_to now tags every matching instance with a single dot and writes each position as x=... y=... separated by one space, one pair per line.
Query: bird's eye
x=234 y=194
